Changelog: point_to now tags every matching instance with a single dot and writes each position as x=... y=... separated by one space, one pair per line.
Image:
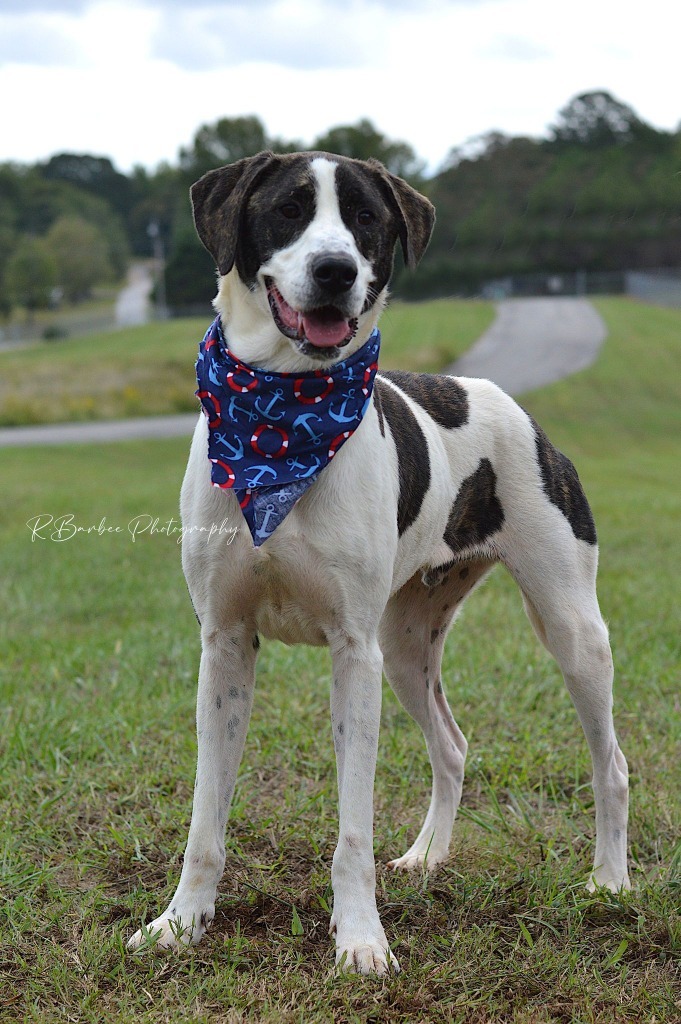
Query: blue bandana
x=271 y=434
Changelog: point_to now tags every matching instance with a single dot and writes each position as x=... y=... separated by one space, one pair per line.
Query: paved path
x=99 y=432
x=132 y=304
x=531 y=343
x=534 y=342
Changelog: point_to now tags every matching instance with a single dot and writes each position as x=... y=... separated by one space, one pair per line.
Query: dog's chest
x=292 y=599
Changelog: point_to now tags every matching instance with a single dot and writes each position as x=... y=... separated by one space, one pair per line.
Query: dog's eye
x=365 y=218
x=291 y=211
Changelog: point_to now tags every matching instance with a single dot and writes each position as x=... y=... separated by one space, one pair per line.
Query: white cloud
x=39 y=39
x=135 y=78
x=30 y=6
x=294 y=34
x=193 y=6
x=517 y=48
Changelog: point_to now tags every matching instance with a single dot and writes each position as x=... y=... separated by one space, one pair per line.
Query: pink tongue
x=325 y=334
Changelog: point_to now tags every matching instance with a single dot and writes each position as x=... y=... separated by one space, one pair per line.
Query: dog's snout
x=334 y=274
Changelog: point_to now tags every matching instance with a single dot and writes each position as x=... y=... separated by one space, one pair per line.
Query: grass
x=96 y=313
x=144 y=371
x=97 y=756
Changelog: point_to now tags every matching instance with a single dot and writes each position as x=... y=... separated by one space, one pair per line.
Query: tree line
x=601 y=192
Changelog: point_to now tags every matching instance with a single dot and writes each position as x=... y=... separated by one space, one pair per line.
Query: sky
x=134 y=79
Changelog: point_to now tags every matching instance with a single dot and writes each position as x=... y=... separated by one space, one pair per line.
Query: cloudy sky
x=133 y=79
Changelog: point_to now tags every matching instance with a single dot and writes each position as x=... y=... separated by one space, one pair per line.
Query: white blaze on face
x=327 y=232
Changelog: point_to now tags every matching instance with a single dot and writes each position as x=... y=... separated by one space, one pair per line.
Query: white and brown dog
x=443 y=478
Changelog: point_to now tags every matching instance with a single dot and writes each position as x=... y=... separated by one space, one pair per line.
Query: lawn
x=97 y=752
x=98 y=313
x=145 y=371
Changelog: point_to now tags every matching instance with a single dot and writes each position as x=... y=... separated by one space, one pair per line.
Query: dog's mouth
x=323 y=328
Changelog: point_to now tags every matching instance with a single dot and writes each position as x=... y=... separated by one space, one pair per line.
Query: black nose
x=334 y=274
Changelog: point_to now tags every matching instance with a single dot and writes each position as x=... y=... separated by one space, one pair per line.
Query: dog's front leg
x=361 y=944
x=223 y=709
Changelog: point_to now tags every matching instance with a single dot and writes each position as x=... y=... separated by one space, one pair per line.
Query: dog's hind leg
x=558 y=581
x=412 y=636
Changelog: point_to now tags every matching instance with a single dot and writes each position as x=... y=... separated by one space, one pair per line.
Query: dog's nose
x=334 y=274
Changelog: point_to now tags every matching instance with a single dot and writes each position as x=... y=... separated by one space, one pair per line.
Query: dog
x=440 y=479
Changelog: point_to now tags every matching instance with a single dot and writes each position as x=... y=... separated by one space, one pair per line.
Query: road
x=132 y=303
x=534 y=342
x=531 y=343
x=99 y=432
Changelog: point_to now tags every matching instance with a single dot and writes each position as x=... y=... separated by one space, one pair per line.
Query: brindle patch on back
x=476 y=513
x=441 y=397
x=562 y=487
x=412 y=453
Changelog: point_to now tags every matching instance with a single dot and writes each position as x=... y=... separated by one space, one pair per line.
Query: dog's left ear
x=415 y=213
x=219 y=200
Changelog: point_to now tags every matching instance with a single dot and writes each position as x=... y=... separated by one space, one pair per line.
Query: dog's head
x=304 y=243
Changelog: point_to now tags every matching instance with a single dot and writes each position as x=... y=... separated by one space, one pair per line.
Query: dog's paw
x=172 y=930
x=366 y=958
x=369 y=953
x=614 y=881
x=415 y=859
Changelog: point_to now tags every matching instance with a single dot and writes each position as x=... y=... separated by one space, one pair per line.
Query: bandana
x=271 y=434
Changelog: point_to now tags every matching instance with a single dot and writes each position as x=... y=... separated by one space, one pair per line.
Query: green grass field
x=146 y=371
x=97 y=756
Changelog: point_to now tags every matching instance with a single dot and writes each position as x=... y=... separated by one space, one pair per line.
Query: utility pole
x=154 y=232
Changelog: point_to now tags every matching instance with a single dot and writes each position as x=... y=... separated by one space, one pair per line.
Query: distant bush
x=55 y=332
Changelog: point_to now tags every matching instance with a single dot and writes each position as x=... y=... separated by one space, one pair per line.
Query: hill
x=569 y=204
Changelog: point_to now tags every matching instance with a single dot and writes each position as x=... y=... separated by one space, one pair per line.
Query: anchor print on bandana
x=270 y=435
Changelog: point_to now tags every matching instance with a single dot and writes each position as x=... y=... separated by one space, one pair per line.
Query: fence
x=662 y=287
x=659 y=287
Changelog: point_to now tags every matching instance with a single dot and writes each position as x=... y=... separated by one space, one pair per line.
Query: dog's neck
x=253 y=336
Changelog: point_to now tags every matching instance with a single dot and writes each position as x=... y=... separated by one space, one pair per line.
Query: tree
x=363 y=140
x=96 y=174
x=596 y=119
x=189 y=274
x=228 y=140
x=607 y=197
x=31 y=274
x=81 y=256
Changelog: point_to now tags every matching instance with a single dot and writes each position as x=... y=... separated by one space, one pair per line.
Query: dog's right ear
x=219 y=200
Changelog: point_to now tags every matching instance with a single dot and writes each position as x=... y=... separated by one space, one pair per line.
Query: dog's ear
x=219 y=200
x=415 y=213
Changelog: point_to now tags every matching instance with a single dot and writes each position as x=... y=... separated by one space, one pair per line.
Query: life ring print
x=338 y=441
x=208 y=399
x=312 y=399
x=368 y=374
x=235 y=379
x=229 y=477
x=268 y=430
